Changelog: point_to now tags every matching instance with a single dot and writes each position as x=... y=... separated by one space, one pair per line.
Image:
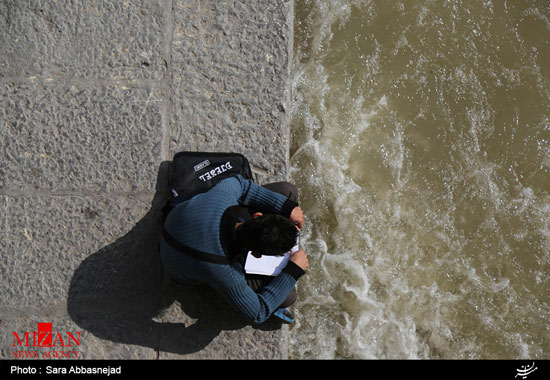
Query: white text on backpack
x=214 y=172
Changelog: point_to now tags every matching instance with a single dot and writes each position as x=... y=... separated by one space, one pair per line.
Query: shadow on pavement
x=119 y=292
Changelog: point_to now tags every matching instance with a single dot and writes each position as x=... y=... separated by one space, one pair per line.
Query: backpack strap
x=199 y=255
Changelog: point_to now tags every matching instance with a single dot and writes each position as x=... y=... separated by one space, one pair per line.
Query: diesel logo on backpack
x=214 y=172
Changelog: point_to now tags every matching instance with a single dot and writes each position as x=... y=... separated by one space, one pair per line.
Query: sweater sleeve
x=258 y=307
x=259 y=197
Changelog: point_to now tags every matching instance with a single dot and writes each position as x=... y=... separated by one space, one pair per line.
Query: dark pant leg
x=257 y=282
x=285 y=188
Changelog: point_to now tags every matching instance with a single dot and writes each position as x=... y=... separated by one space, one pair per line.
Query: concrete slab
x=230 y=77
x=95 y=98
x=82 y=246
x=70 y=136
x=86 y=39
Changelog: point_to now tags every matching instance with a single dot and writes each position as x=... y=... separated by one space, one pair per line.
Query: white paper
x=268 y=265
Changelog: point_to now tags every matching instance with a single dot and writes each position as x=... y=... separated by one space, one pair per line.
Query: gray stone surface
x=237 y=100
x=95 y=98
x=80 y=137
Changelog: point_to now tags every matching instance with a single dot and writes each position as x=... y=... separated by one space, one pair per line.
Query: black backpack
x=192 y=173
x=196 y=172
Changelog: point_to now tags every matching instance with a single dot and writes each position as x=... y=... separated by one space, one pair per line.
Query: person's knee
x=288 y=189
x=290 y=300
x=292 y=191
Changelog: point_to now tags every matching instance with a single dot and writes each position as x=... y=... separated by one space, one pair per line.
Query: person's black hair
x=269 y=234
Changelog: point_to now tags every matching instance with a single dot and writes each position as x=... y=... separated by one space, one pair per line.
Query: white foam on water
x=426 y=238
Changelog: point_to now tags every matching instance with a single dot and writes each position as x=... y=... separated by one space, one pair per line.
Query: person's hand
x=300 y=258
x=297 y=216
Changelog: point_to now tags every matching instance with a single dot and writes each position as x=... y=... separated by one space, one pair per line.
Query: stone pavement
x=95 y=98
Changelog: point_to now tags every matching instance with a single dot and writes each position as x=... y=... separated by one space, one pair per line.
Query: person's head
x=270 y=235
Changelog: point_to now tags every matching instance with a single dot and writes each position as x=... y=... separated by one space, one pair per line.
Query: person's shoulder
x=236 y=181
